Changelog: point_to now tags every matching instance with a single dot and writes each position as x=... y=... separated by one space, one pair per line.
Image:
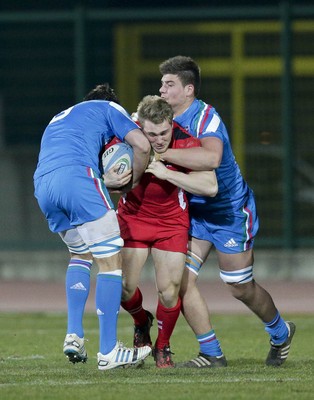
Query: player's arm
x=141 y=152
x=201 y=183
x=204 y=158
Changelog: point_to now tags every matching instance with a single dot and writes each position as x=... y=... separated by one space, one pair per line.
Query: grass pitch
x=32 y=365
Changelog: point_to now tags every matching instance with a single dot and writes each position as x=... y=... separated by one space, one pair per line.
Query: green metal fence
x=258 y=71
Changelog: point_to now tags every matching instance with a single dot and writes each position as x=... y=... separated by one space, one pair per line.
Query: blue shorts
x=70 y=196
x=229 y=233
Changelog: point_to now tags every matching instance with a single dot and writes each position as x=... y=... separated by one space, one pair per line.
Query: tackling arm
x=204 y=158
x=201 y=183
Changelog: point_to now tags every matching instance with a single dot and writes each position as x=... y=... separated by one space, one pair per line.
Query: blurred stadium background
x=257 y=61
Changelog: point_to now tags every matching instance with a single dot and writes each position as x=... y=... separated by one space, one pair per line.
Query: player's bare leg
x=193 y=304
x=132 y=299
x=256 y=298
x=169 y=268
x=191 y=296
x=237 y=267
x=132 y=265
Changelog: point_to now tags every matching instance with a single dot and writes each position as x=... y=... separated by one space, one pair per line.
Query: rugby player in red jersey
x=154 y=220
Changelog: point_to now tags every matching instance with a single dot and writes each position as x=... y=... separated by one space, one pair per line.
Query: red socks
x=167 y=318
x=134 y=306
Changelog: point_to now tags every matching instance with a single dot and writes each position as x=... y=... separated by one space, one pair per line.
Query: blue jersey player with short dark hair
x=72 y=195
x=227 y=221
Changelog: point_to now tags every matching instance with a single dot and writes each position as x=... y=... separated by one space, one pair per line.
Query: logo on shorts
x=231 y=243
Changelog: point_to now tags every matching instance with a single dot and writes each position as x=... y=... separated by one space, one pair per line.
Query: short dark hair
x=102 y=92
x=154 y=109
x=185 y=68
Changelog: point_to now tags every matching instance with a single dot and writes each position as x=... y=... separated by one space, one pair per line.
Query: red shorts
x=163 y=234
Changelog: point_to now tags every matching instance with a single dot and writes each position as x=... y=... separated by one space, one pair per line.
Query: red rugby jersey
x=154 y=197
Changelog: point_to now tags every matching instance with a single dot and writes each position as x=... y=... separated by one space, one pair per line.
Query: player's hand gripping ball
x=119 y=153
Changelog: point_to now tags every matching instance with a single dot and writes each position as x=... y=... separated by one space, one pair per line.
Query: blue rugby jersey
x=76 y=136
x=202 y=120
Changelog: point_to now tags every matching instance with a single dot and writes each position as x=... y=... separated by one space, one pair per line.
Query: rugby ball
x=118 y=153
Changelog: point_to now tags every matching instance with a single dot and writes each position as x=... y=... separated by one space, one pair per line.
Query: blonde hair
x=154 y=109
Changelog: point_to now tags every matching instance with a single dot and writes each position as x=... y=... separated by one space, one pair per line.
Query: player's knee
x=128 y=290
x=169 y=296
x=127 y=293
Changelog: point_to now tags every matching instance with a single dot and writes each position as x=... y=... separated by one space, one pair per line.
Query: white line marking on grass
x=136 y=381
x=47 y=383
x=32 y=357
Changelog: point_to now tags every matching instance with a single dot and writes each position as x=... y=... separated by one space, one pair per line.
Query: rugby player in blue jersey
x=71 y=193
x=228 y=221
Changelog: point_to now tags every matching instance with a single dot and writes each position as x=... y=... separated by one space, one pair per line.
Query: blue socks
x=277 y=330
x=209 y=344
x=108 y=299
x=77 y=285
